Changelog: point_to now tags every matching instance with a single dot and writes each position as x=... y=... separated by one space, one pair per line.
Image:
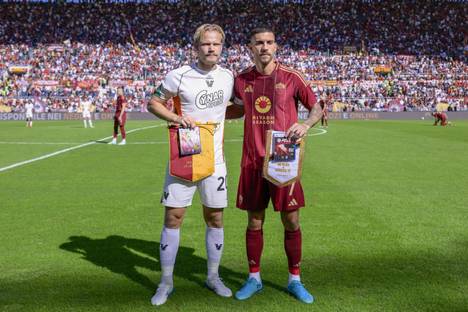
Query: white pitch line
x=322 y=131
x=67 y=150
x=40 y=143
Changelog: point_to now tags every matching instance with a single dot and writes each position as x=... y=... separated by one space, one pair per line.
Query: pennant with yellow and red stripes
x=193 y=167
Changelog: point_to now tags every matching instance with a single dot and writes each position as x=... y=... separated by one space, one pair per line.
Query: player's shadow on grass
x=123 y=255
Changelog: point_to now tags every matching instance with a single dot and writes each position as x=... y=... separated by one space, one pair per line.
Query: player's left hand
x=297 y=131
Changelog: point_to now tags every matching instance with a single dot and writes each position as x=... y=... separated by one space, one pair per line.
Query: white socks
x=256 y=276
x=214 y=240
x=169 y=244
x=293 y=277
x=90 y=123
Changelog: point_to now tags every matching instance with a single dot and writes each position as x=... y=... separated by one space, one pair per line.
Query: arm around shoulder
x=234 y=111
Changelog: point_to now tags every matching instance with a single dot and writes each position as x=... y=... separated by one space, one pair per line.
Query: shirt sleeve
x=168 y=88
x=304 y=92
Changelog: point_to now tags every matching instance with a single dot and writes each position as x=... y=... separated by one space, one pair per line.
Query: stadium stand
x=366 y=55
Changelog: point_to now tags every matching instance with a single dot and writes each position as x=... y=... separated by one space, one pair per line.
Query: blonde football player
x=200 y=93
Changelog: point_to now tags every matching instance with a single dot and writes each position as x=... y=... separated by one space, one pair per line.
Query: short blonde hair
x=201 y=30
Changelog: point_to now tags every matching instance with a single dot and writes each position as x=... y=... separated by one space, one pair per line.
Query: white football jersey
x=85 y=106
x=29 y=108
x=201 y=95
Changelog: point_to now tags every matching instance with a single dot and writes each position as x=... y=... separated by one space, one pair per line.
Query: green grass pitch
x=385 y=227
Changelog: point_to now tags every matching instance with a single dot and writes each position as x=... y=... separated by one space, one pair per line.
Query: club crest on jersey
x=248 y=89
x=263 y=104
x=206 y=100
x=209 y=81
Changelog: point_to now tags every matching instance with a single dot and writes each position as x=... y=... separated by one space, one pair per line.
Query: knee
x=255 y=220
x=291 y=222
x=255 y=224
x=214 y=222
x=291 y=226
x=173 y=221
x=214 y=219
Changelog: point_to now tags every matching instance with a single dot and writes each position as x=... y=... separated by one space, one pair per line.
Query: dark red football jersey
x=270 y=102
x=120 y=101
x=324 y=106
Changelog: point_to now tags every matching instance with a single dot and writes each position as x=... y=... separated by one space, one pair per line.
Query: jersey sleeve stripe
x=292 y=71
x=245 y=71
x=180 y=81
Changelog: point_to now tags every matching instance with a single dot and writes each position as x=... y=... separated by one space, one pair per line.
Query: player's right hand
x=186 y=122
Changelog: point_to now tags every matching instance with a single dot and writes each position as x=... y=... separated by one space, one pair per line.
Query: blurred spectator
x=368 y=55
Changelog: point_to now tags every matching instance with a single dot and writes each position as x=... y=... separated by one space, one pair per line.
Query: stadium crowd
x=365 y=55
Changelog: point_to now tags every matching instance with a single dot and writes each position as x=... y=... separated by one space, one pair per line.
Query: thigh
x=252 y=192
x=213 y=189
x=177 y=193
x=287 y=198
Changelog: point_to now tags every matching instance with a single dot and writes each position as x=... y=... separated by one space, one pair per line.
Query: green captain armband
x=159 y=92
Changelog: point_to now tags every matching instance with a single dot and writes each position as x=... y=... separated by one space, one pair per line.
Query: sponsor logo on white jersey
x=206 y=100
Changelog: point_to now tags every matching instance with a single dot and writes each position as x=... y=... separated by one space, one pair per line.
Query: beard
x=265 y=59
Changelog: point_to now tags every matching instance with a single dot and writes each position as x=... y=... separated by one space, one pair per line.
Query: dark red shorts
x=124 y=120
x=254 y=193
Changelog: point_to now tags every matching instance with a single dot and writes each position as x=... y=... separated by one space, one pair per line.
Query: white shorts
x=86 y=115
x=179 y=193
x=29 y=116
